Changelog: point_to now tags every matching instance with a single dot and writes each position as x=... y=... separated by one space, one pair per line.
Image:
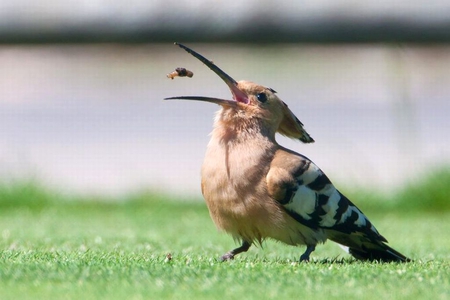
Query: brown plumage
x=255 y=189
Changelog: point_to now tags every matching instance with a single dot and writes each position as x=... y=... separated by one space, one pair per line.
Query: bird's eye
x=262 y=97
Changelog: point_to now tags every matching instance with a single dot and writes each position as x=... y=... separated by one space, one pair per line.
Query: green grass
x=55 y=246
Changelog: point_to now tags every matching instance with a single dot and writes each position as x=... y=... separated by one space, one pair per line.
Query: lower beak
x=219 y=101
x=238 y=95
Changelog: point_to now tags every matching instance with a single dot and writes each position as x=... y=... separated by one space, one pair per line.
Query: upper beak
x=238 y=95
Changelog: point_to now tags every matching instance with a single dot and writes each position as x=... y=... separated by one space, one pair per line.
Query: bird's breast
x=233 y=174
x=234 y=187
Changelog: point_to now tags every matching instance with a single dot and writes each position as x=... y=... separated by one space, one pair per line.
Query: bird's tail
x=378 y=252
x=365 y=248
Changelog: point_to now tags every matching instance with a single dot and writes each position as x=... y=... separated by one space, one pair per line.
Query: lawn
x=145 y=246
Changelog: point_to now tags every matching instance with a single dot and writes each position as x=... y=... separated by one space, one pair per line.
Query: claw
x=305 y=256
x=231 y=254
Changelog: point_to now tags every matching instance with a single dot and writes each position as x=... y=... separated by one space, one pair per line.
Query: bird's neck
x=237 y=128
x=239 y=153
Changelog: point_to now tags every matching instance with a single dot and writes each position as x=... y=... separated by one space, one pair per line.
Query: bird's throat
x=234 y=127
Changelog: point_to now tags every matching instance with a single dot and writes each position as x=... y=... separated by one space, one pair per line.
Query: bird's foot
x=231 y=254
x=305 y=256
x=227 y=256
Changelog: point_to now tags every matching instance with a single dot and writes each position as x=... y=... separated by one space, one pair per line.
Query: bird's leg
x=230 y=254
x=305 y=256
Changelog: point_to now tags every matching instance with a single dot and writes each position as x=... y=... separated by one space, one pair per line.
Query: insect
x=181 y=72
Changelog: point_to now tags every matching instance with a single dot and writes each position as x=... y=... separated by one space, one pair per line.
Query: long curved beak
x=238 y=95
x=205 y=99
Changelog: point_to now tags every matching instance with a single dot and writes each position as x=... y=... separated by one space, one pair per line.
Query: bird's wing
x=310 y=198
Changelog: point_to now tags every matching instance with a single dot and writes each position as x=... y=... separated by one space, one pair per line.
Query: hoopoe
x=256 y=189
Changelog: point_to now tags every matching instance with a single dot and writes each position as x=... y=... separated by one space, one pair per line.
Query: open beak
x=238 y=95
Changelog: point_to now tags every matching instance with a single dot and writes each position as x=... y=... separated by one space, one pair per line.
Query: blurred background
x=82 y=86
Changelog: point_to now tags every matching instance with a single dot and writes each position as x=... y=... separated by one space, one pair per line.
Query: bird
x=256 y=189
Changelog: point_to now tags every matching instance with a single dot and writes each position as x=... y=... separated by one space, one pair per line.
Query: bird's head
x=250 y=102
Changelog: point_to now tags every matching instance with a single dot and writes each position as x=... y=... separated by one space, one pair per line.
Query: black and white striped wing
x=313 y=201
x=310 y=198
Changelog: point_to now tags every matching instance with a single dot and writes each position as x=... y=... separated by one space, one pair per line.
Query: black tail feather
x=382 y=253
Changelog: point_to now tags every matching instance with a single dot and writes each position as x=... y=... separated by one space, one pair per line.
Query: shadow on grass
x=325 y=261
